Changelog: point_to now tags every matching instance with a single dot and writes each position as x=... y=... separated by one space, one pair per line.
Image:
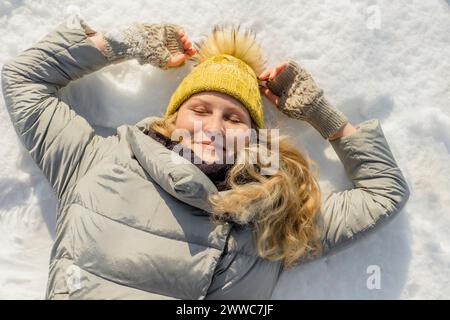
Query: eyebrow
x=202 y=100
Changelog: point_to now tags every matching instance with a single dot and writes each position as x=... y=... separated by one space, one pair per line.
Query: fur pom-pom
x=232 y=40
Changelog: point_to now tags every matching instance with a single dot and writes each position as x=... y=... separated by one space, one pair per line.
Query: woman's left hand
x=292 y=89
x=269 y=75
x=180 y=58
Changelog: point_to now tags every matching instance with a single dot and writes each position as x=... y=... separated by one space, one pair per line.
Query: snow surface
x=375 y=59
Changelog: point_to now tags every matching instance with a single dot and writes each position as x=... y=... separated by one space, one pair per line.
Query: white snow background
x=375 y=59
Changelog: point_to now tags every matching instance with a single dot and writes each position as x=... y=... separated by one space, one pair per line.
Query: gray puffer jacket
x=131 y=223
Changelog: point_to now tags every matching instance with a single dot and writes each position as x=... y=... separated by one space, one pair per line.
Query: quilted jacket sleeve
x=380 y=189
x=61 y=142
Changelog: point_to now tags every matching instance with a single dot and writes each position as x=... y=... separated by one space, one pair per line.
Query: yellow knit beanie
x=228 y=62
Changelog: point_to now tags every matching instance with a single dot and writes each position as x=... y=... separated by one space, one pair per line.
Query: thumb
x=271 y=96
x=177 y=59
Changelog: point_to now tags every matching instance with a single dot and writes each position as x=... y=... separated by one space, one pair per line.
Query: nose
x=214 y=128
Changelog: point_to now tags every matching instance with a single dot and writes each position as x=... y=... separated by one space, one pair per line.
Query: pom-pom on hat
x=227 y=61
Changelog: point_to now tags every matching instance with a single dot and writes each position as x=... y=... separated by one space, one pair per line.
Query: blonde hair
x=282 y=206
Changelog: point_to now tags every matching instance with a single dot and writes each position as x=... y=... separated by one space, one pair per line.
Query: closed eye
x=201 y=111
x=235 y=120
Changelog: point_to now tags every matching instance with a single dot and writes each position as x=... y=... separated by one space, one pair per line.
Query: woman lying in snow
x=134 y=221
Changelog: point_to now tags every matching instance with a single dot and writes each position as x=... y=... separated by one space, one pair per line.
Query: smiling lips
x=210 y=145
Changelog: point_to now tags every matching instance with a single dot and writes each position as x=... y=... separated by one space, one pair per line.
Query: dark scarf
x=215 y=171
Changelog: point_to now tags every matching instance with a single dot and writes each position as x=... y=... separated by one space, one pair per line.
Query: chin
x=210 y=159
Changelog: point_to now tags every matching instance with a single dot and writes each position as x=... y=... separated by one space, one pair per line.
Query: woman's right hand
x=179 y=58
x=162 y=45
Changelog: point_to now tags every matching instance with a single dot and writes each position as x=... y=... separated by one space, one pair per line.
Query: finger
x=280 y=67
x=187 y=44
x=272 y=97
x=273 y=74
x=191 y=51
x=183 y=39
x=264 y=75
x=178 y=59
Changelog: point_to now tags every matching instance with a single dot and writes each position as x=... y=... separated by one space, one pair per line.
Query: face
x=221 y=121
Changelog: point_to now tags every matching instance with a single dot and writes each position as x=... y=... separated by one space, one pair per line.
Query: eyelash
x=201 y=112
x=204 y=112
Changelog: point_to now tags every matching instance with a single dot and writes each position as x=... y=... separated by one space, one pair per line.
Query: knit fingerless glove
x=149 y=43
x=301 y=98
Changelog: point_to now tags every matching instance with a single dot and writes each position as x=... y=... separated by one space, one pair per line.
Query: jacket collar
x=174 y=173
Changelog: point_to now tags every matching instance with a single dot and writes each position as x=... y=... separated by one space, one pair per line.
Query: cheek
x=238 y=139
x=185 y=121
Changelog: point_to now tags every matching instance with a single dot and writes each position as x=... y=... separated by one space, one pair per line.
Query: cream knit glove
x=147 y=42
x=301 y=98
